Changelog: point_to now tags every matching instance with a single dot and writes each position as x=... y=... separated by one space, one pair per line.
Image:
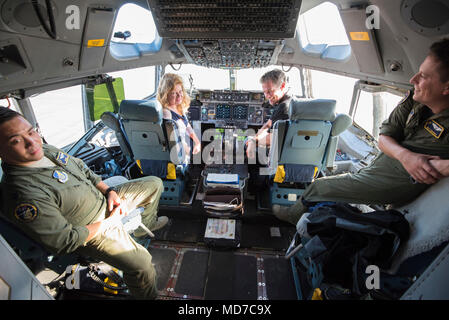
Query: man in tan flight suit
x=62 y=204
x=414 y=141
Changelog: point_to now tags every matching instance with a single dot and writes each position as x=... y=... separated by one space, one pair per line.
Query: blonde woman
x=175 y=102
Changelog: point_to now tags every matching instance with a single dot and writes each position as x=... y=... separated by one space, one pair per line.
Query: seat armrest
x=340 y=124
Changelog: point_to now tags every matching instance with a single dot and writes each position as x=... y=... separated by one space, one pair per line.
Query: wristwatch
x=109 y=190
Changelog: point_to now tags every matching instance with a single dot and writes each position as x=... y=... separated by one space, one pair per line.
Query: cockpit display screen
x=240 y=112
x=223 y=111
x=231 y=107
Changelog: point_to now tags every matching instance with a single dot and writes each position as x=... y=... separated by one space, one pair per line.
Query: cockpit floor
x=188 y=268
x=203 y=273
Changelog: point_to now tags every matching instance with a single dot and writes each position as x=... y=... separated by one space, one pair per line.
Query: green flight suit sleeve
x=42 y=220
x=396 y=122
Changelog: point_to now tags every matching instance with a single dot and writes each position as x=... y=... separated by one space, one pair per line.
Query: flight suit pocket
x=70 y=199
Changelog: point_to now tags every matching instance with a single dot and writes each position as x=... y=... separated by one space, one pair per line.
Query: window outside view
x=313 y=31
x=248 y=79
x=138 y=21
x=138 y=83
x=203 y=78
x=59 y=114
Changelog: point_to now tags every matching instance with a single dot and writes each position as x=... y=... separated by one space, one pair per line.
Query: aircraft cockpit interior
x=88 y=76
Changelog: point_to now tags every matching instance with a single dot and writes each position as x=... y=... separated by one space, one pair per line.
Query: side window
x=373 y=108
x=322 y=33
x=7 y=103
x=138 y=83
x=59 y=114
x=331 y=86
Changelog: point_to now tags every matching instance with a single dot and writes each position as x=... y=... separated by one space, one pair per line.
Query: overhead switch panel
x=199 y=19
x=231 y=54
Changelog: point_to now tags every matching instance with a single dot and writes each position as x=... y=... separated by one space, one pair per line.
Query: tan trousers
x=384 y=181
x=117 y=248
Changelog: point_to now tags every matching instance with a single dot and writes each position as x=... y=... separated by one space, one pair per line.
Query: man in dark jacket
x=274 y=86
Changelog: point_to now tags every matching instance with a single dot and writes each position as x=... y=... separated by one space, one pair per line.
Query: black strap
x=108 y=190
x=112 y=95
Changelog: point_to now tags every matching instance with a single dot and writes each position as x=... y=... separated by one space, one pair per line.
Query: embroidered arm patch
x=26 y=212
x=434 y=128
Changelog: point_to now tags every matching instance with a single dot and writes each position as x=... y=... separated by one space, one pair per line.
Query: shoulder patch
x=62 y=158
x=26 y=212
x=405 y=97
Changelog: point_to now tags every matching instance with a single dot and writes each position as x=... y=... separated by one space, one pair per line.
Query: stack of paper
x=220 y=179
x=220 y=229
x=221 y=206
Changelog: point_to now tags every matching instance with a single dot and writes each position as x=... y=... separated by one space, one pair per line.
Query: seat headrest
x=312 y=109
x=111 y=120
x=141 y=110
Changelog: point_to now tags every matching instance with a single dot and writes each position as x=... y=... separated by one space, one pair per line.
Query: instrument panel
x=232 y=107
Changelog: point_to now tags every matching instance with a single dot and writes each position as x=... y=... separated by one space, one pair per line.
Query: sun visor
x=363 y=41
x=97 y=32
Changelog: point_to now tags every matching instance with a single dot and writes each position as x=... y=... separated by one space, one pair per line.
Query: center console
x=224 y=190
x=224 y=193
x=233 y=116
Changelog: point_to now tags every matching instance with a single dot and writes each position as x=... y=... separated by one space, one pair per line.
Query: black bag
x=96 y=278
x=344 y=242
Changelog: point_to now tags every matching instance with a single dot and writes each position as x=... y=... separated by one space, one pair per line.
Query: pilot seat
x=303 y=146
x=155 y=145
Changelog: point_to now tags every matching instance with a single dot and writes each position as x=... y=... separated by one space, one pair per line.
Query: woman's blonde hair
x=167 y=85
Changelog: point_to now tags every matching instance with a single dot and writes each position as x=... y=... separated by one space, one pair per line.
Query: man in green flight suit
x=62 y=204
x=414 y=141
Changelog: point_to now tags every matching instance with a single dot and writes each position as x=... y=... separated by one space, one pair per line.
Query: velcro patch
x=434 y=128
x=62 y=158
x=26 y=212
x=61 y=176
